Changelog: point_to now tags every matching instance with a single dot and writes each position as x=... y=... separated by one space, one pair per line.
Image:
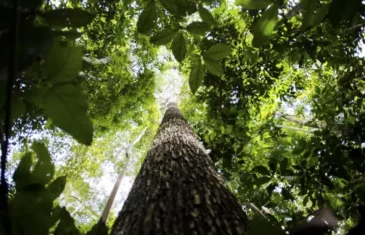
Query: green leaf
x=253 y=4
x=262 y=170
x=164 y=37
x=67 y=108
x=206 y=16
x=260 y=226
x=213 y=67
x=69 y=17
x=147 y=18
x=217 y=52
x=196 y=74
x=179 y=47
x=56 y=187
x=198 y=28
x=264 y=27
x=63 y=64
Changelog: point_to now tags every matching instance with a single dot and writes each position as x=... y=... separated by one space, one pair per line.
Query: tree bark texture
x=178 y=191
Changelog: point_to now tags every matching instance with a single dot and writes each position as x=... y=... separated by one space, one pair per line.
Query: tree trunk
x=178 y=190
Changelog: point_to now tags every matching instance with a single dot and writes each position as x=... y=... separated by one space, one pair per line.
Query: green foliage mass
x=273 y=87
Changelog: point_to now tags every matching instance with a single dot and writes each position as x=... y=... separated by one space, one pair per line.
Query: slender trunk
x=178 y=191
x=109 y=203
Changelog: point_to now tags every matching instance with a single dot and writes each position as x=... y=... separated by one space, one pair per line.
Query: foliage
x=273 y=87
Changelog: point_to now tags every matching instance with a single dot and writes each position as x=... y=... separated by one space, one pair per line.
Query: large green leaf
x=147 y=18
x=198 y=28
x=164 y=37
x=206 y=16
x=217 y=52
x=264 y=27
x=67 y=108
x=68 y=17
x=253 y=4
x=179 y=47
x=63 y=64
x=196 y=74
x=213 y=67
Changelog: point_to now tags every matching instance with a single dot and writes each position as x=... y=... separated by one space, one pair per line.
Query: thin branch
x=253 y=207
x=109 y=203
x=296 y=129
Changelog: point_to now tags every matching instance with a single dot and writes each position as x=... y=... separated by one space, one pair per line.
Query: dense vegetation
x=274 y=88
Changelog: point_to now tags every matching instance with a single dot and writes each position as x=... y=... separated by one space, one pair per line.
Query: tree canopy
x=273 y=88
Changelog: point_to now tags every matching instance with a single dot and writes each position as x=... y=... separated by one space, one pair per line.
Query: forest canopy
x=273 y=89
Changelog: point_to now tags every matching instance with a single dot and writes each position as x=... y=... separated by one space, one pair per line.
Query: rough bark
x=178 y=190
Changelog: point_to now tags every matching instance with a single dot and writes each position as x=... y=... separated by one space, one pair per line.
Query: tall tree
x=178 y=190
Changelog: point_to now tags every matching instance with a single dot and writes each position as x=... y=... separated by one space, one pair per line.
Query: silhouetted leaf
x=22 y=172
x=66 y=225
x=98 y=229
x=56 y=187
